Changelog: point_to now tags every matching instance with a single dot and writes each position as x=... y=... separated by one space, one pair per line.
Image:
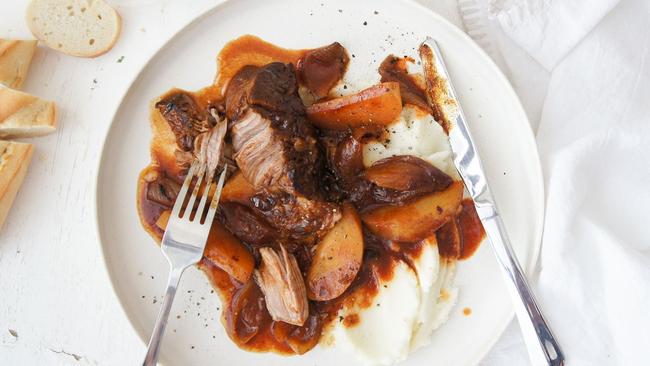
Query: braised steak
x=276 y=149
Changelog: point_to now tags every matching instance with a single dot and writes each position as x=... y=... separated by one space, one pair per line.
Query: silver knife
x=542 y=347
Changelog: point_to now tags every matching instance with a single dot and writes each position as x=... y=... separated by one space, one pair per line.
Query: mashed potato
x=415 y=133
x=415 y=301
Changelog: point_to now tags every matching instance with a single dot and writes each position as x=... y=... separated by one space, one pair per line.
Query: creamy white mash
x=415 y=301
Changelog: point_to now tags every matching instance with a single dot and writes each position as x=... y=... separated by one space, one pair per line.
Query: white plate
x=136 y=266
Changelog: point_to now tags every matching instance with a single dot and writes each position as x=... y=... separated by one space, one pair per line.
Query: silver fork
x=183 y=244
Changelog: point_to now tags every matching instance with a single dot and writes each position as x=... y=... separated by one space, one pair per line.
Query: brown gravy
x=461 y=238
x=472 y=232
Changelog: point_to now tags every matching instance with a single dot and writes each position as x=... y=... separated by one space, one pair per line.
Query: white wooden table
x=56 y=302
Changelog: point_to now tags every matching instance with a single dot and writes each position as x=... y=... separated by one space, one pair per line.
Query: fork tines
x=186 y=205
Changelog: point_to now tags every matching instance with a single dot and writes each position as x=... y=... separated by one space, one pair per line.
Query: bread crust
x=15 y=158
x=15 y=59
x=25 y=115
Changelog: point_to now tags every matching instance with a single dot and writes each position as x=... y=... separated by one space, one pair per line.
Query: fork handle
x=151 y=358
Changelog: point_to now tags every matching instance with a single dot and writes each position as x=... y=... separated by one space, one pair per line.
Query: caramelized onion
x=248 y=313
x=449 y=240
x=322 y=68
x=299 y=339
x=397 y=180
x=407 y=173
x=163 y=190
x=394 y=68
x=304 y=338
x=348 y=159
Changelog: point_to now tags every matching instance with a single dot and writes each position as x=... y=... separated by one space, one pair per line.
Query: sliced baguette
x=15 y=58
x=25 y=115
x=14 y=160
x=84 y=28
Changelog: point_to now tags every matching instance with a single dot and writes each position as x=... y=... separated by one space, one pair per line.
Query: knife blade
x=542 y=346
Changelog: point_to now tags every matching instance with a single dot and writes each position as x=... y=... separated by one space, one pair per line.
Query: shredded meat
x=276 y=150
x=274 y=143
x=210 y=146
x=260 y=153
x=280 y=280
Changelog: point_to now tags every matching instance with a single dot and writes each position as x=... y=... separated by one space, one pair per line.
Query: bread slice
x=14 y=160
x=15 y=58
x=24 y=115
x=84 y=28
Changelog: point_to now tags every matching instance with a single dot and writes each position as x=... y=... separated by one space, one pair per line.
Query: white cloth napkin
x=594 y=143
x=549 y=29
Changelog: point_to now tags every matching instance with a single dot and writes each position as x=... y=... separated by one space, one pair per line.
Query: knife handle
x=543 y=349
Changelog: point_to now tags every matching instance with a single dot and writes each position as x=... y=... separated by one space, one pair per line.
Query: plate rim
x=529 y=267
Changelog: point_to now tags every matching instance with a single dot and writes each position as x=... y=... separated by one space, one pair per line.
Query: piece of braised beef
x=322 y=68
x=280 y=279
x=276 y=150
x=210 y=146
x=247 y=226
x=300 y=216
x=274 y=143
x=185 y=118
